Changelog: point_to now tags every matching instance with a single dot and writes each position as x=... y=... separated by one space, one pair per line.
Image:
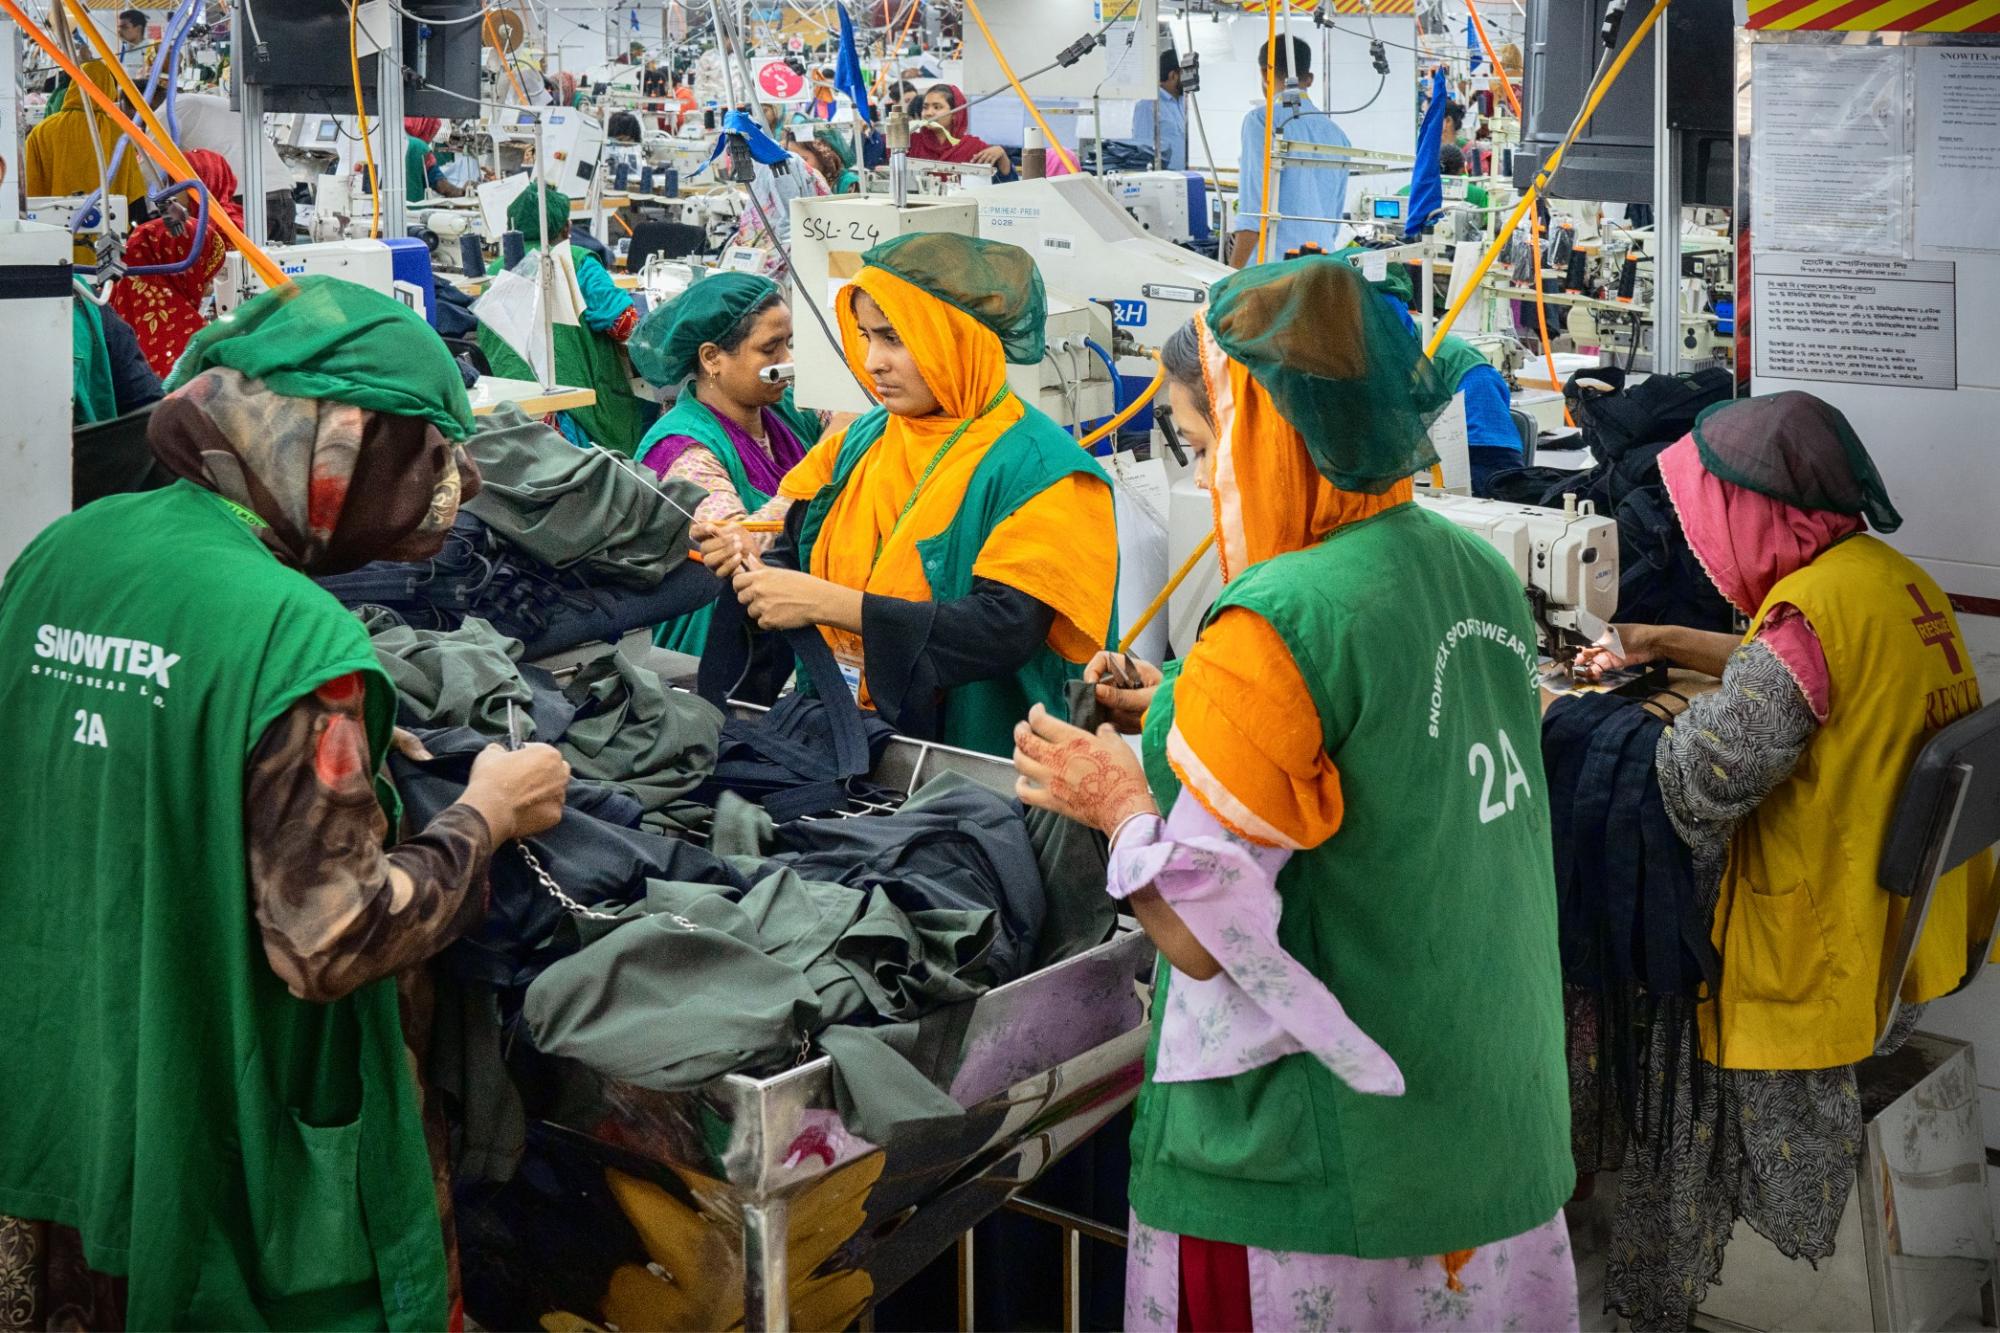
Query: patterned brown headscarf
x=338 y=486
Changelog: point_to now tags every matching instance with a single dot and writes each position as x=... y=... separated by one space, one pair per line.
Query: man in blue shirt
x=1167 y=114
x=1305 y=190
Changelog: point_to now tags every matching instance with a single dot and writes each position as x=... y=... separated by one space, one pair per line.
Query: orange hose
x=172 y=163
x=1534 y=217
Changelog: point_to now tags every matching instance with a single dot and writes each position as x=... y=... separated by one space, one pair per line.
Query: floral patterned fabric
x=1264 y=1004
x=164 y=309
x=1527 y=1282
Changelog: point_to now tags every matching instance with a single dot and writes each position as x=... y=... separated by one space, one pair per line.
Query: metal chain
x=569 y=904
x=576 y=908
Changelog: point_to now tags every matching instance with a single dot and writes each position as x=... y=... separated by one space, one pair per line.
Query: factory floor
x=1590 y=1235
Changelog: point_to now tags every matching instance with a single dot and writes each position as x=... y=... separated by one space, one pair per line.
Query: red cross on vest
x=1934 y=628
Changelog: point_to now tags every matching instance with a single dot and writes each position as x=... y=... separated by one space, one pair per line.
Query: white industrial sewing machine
x=1566 y=560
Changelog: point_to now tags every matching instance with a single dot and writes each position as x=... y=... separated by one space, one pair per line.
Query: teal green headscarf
x=327 y=338
x=667 y=341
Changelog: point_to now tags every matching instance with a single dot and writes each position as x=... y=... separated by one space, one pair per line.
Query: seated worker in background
x=165 y=309
x=594 y=318
x=729 y=431
x=954 y=545
x=135 y=53
x=944 y=105
x=1307 y=195
x=1164 y=117
x=60 y=157
x=1338 y=1113
x=1451 y=162
x=1453 y=128
x=231 y=927
x=421 y=172
x=1493 y=442
x=1782 y=785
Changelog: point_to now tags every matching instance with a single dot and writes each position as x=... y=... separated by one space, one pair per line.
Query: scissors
x=513 y=726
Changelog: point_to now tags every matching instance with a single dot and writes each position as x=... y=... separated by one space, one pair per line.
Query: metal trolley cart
x=755 y=1207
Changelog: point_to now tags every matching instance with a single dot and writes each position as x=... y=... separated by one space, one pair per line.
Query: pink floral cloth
x=1264 y=1004
x=1526 y=1282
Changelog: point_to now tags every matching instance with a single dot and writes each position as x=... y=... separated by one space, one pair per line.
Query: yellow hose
x=1180 y=577
x=1270 y=119
x=361 y=115
x=1131 y=408
x=1055 y=144
x=168 y=159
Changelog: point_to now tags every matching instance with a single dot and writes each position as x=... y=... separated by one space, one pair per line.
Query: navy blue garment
x=1632 y=929
x=597 y=854
x=479 y=573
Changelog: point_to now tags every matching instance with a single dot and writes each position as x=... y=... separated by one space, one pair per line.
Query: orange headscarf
x=1060 y=548
x=1246 y=740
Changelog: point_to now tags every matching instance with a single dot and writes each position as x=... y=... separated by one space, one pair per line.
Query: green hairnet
x=324 y=337
x=1338 y=364
x=1796 y=448
x=521 y=213
x=995 y=283
x=1394 y=282
x=665 y=344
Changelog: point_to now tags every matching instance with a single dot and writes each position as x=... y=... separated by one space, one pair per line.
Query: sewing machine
x=387 y=266
x=1172 y=205
x=59 y=210
x=1566 y=561
x=1085 y=242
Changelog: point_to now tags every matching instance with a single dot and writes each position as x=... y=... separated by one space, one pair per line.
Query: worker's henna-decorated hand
x=1094 y=779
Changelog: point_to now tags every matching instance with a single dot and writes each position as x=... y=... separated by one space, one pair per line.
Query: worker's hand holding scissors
x=1094 y=779
x=519 y=793
x=725 y=548
x=1125 y=687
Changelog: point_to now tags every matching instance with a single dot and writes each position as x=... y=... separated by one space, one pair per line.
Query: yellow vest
x=1803 y=927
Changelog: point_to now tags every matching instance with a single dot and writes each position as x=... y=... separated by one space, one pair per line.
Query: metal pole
x=1666 y=219
x=250 y=102
x=767 y=1298
x=546 y=377
x=722 y=50
x=389 y=115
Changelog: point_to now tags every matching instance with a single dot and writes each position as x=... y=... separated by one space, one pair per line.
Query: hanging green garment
x=587 y=305
x=244 y=1158
x=95 y=399
x=689 y=417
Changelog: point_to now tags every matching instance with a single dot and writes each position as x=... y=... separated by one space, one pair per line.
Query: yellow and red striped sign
x=1875 y=15
x=1377 y=7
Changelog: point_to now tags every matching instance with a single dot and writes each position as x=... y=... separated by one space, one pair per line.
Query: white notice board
x=1878 y=288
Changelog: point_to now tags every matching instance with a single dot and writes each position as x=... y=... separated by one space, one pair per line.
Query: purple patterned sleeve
x=1264 y=1004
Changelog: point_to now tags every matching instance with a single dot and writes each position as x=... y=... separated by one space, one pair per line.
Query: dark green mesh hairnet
x=665 y=344
x=995 y=283
x=1338 y=364
x=1793 y=447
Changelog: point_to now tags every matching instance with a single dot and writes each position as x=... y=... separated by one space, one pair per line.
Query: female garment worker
x=1354 y=1112
x=729 y=432
x=421 y=172
x=164 y=309
x=944 y=105
x=198 y=897
x=594 y=318
x=70 y=151
x=1782 y=784
x=954 y=545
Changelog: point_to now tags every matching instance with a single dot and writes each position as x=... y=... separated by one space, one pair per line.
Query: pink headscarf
x=1747 y=542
